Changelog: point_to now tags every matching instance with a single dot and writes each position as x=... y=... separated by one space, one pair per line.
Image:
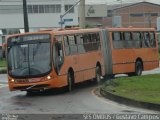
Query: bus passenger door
x=58 y=57
x=107 y=53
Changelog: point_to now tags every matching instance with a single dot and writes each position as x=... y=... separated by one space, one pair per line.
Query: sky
x=116 y=1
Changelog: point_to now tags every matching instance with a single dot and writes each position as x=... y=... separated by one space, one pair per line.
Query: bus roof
x=72 y=30
x=57 y=31
x=130 y=29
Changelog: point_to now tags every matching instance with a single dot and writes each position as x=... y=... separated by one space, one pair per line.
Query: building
x=41 y=14
x=44 y=14
x=142 y=14
x=94 y=14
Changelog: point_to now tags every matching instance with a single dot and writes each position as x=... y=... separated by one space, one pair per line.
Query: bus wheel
x=98 y=75
x=70 y=81
x=30 y=93
x=131 y=74
x=138 y=68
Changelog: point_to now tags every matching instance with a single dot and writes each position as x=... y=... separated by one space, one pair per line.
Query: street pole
x=121 y=2
x=61 y=21
x=25 y=15
x=61 y=16
x=82 y=14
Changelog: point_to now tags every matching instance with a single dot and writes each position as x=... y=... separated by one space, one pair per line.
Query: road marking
x=3 y=85
x=5 y=81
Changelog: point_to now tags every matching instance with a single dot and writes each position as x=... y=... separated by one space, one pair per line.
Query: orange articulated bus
x=59 y=58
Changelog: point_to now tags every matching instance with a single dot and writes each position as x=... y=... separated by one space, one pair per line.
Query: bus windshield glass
x=29 y=55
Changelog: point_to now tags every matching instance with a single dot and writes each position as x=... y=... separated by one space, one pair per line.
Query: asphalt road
x=81 y=100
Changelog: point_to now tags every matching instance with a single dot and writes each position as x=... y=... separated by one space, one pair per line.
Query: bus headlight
x=12 y=80
x=48 y=77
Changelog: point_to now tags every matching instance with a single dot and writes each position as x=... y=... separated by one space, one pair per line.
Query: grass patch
x=2 y=63
x=142 y=88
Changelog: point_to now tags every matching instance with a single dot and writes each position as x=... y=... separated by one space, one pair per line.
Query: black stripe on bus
x=132 y=62
x=80 y=71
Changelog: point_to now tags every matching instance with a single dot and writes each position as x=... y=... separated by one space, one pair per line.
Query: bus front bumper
x=42 y=85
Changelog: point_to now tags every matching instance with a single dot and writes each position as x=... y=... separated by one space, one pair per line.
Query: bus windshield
x=29 y=55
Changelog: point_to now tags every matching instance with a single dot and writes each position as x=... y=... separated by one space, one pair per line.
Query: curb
x=129 y=102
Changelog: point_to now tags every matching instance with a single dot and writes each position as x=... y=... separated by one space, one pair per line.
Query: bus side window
x=95 y=41
x=116 y=36
x=66 y=45
x=127 y=36
x=152 y=39
x=136 y=39
x=141 y=39
x=86 y=42
x=127 y=40
x=98 y=41
x=146 y=39
x=85 y=39
x=80 y=45
x=98 y=37
x=72 y=44
x=117 y=40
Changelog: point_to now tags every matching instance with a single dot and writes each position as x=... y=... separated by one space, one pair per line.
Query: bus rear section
x=133 y=50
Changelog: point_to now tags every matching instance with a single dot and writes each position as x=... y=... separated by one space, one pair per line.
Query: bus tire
x=138 y=68
x=98 y=74
x=111 y=76
x=70 y=78
x=131 y=74
x=30 y=92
